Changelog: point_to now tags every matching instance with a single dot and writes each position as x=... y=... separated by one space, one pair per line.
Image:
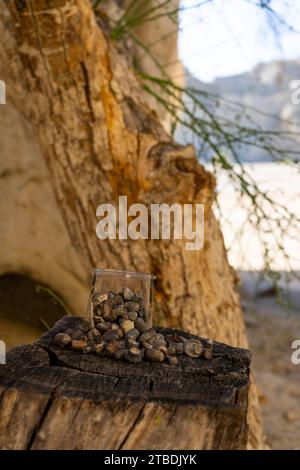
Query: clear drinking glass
x=110 y=285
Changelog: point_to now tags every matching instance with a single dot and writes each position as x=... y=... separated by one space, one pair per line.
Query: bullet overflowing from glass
x=119 y=323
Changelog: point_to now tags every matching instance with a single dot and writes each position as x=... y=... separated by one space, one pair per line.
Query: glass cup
x=117 y=295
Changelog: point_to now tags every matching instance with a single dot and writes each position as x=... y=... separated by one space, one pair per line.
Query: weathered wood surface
x=59 y=399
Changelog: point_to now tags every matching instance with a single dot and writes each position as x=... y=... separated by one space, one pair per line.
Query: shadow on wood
x=52 y=398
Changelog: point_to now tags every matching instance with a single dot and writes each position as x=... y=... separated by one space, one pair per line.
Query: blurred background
x=231 y=69
x=251 y=57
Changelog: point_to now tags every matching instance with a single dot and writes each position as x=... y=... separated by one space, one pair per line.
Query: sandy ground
x=271 y=329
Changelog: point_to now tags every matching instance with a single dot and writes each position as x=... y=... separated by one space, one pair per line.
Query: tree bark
x=152 y=45
x=100 y=140
x=60 y=399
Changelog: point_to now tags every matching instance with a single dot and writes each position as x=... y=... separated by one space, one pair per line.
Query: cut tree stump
x=52 y=398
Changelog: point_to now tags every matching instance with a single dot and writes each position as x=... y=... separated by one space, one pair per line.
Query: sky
x=227 y=37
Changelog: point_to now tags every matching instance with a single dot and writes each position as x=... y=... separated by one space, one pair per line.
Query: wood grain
x=60 y=399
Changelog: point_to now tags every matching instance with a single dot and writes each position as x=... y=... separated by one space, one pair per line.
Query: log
x=53 y=398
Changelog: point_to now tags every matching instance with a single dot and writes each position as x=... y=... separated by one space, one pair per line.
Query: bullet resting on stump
x=121 y=332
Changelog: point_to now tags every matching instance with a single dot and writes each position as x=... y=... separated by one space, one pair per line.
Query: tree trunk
x=60 y=399
x=153 y=45
x=100 y=140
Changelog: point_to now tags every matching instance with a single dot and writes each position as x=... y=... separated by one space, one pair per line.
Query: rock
x=177 y=346
x=147 y=345
x=114 y=326
x=110 y=335
x=119 y=310
x=79 y=344
x=132 y=316
x=140 y=325
x=163 y=349
x=154 y=355
x=131 y=343
x=87 y=350
x=133 y=334
x=114 y=346
x=207 y=354
x=134 y=355
x=171 y=350
x=103 y=326
x=121 y=353
x=145 y=337
x=126 y=325
x=172 y=339
x=132 y=306
x=93 y=333
x=135 y=351
x=62 y=339
x=157 y=340
x=98 y=298
x=193 y=348
x=120 y=332
x=118 y=300
x=98 y=318
x=172 y=360
x=138 y=298
x=107 y=307
x=108 y=312
x=99 y=348
x=127 y=294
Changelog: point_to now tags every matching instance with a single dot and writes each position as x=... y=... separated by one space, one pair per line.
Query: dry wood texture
x=100 y=140
x=56 y=399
